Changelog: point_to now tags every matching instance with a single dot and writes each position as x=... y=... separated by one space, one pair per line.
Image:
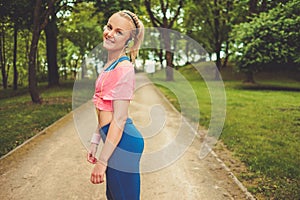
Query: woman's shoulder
x=125 y=63
x=125 y=66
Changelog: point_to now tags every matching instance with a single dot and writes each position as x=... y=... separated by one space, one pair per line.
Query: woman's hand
x=92 y=153
x=98 y=172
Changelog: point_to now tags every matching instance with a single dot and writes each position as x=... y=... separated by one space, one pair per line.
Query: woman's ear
x=129 y=43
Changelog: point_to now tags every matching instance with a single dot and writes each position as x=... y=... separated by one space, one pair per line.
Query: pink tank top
x=116 y=84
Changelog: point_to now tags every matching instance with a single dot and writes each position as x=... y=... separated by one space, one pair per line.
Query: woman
x=123 y=144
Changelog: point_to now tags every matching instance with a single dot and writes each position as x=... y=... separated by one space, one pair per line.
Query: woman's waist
x=104 y=117
x=127 y=126
x=130 y=132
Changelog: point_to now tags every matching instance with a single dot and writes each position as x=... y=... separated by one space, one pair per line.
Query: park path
x=53 y=164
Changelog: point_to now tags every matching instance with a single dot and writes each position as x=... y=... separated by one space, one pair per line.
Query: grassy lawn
x=262 y=129
x=20 y=119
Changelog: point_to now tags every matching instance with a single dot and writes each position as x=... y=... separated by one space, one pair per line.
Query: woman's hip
x=127 y=155
x=131 y=140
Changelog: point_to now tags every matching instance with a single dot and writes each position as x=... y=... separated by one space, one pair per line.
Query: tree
x=15 y=15
x=21 y=18
x=107 y=8
x=51 y=31
x=270 y=37
x=4 y=71
x=256 y=7
x=209 y=22
x=85 y=36
x=3 y=20
x=40 y=20
x=164 y=16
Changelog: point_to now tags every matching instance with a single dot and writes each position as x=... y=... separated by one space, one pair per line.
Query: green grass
x=21 y=119
x=262 y=129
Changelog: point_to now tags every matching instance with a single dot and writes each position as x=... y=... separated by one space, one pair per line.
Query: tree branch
x=154 y=20
x=176 y=15
x=163 y=8
x=65 y=5
x=167 y=6
x=48 y=13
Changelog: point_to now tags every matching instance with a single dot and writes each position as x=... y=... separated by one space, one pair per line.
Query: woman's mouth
x=108 y=41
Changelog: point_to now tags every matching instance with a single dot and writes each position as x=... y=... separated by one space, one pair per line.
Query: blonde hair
x=137 y=34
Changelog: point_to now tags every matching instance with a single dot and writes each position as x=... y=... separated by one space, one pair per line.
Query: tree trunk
x=63 y=59
x=83 y=67
x=27 y=47
x=74 y=67
x=187 y=49
x=2 y=58
x=168 y=55
x=253 y=7
x=160 y=54
x=37 y=27
x=249 y=77
x=229 y=9
x=166 y=24
x=51 y=44
x=15 y=82
x=227 y=55
x=218 y=64
x=35 y=97
x=217 y=38
x=169 y=68
x=175 y=39
x=264 y=7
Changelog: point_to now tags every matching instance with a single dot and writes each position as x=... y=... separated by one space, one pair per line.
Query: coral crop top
x=114 y=83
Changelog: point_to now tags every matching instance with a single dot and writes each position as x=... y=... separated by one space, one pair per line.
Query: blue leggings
x=123 y=171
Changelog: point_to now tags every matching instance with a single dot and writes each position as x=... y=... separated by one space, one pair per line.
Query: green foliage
x=109 y=7
x=80 y=32
x=22 y=52
x=82 y=28
x=17 y=11
x=270 y=37
x=208 y=22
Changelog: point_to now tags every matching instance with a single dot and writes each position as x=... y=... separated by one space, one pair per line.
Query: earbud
x=129 y=43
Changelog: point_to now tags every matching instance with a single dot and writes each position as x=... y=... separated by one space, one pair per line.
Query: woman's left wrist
x=102 y=162
x=95 y=138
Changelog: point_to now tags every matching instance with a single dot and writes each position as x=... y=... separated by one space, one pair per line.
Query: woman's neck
x=112 y=56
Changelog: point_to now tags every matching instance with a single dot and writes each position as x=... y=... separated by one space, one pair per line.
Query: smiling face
x=116 y=33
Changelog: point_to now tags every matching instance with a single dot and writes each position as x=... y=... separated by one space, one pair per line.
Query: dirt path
x=53 y=165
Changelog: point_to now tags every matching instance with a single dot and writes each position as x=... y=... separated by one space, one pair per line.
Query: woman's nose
x=111 y=33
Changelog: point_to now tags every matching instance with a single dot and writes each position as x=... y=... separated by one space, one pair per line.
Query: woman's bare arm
x=115 y=130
